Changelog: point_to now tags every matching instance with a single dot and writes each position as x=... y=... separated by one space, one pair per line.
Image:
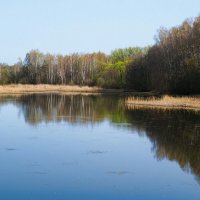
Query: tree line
x=80 y=69
x=171 y=65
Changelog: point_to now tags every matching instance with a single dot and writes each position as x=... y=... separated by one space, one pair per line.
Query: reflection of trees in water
x=175 y=135
x=70 y=108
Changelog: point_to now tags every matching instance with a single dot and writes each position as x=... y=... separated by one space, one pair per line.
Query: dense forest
x=172 y=65
x=80 y=69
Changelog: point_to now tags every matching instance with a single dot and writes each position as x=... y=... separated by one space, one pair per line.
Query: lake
x=93 y=147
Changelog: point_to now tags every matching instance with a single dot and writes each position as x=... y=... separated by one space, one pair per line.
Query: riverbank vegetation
x=172 y=65
x=165 y=102
x=44 y=88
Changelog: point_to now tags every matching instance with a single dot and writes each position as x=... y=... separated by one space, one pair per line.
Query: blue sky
x=67 y=26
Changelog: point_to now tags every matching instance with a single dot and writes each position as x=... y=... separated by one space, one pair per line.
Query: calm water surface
x=92 y=147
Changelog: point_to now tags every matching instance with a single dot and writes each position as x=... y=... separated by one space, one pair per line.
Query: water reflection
x=175 y=135
x=73 y=109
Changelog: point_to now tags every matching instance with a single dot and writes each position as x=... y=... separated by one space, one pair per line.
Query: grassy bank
x=42 y=88
x=165 y=102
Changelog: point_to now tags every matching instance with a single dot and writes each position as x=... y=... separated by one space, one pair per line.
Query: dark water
x=92 y=147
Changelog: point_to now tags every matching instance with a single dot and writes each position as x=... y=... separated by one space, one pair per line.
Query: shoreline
x=166 y=102
x=133 y=99
x=25 y=89
x=43 y=88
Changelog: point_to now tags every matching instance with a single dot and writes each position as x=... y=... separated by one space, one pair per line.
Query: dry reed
x=165 y=102
x=42 y=88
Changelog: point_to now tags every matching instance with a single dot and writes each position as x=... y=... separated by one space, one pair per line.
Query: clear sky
x=67 y=26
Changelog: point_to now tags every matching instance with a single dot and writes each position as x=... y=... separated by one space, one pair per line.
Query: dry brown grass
x=165 y=102
x=42 y=88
